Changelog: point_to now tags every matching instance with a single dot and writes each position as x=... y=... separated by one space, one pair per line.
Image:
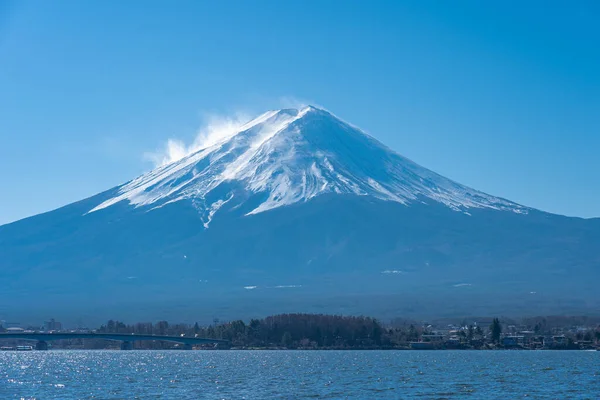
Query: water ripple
x=298 y=374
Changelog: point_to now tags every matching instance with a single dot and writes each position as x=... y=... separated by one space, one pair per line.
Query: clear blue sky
x=503 y=96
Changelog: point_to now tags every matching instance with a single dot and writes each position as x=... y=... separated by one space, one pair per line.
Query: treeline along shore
x=318 y=331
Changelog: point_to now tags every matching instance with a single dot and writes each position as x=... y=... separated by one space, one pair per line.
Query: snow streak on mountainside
x=291 y=156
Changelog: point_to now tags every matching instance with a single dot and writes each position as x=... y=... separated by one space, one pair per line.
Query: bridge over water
x=126 y=340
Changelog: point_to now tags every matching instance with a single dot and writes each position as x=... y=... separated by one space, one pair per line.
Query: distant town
x=316 y=331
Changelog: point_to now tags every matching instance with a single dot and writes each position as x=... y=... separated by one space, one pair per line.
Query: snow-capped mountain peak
x=293 y=155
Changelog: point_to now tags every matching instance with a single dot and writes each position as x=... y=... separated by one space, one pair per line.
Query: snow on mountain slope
x=291 y=156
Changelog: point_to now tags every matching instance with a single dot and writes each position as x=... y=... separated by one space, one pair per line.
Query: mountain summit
x=296 y=211
x=293 y=155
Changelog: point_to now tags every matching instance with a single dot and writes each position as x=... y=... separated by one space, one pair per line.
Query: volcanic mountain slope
x=297 y=211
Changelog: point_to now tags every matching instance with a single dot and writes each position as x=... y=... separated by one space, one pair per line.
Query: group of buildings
x=49 y=326
x=571 y=338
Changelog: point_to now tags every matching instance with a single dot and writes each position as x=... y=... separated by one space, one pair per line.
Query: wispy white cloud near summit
x=215 y=128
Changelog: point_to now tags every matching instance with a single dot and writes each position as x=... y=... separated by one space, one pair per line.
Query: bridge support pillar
x=41 y=345
x=126 y=345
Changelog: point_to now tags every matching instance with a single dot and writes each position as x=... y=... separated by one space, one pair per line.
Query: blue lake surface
x=82 y=374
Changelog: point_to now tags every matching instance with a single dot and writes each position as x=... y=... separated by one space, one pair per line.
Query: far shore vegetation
x=319 y=331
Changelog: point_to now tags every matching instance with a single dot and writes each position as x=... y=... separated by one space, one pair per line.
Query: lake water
x=299 y=374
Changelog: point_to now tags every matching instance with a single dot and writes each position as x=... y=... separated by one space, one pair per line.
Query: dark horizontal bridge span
x=122 y=337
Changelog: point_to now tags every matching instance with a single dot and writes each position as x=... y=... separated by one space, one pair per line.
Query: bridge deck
x=122 y=337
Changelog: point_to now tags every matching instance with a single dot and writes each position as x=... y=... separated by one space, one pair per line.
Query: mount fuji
x=296 y=210
x=292 y=156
